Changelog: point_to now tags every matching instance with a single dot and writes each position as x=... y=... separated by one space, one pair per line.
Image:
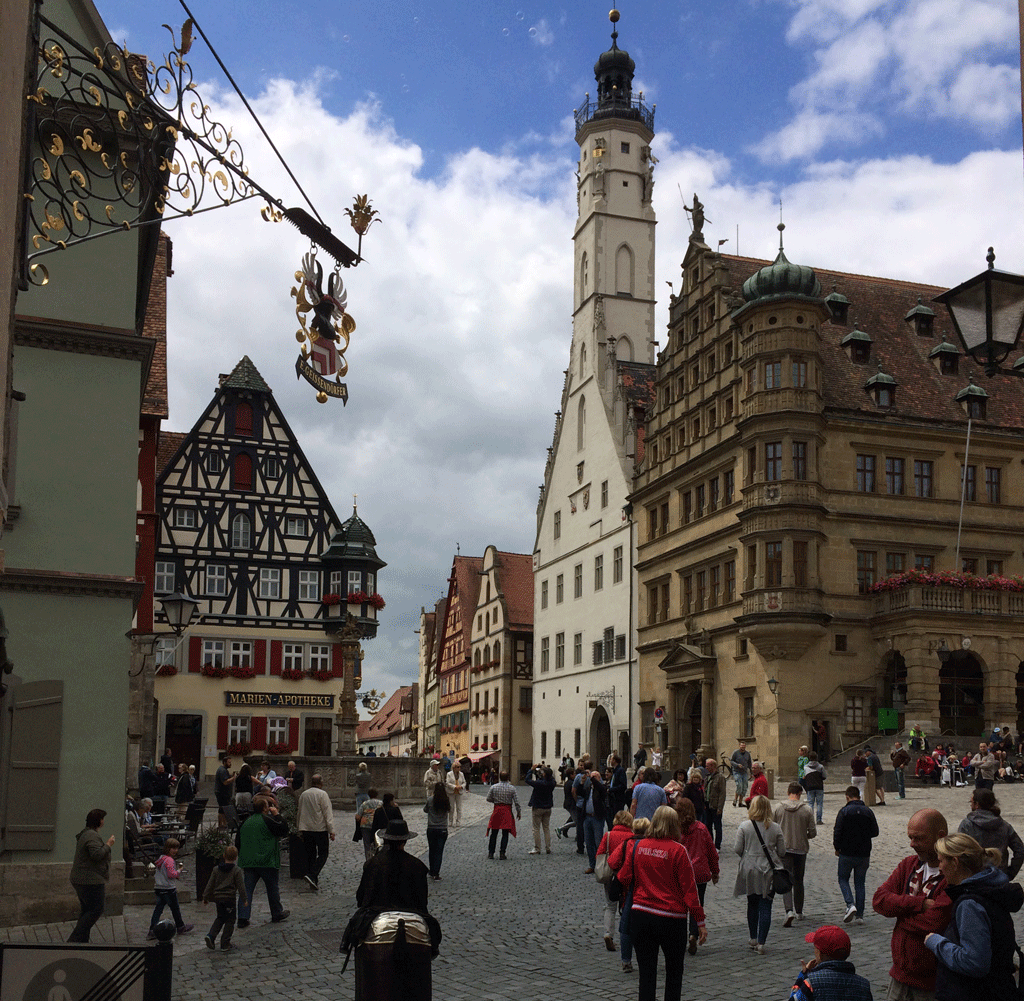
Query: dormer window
x=838 y=306
x=858 y=345
x=946 y=357
x=922 y=318
x=243 y=420
x=883 y=388
x=974 y=401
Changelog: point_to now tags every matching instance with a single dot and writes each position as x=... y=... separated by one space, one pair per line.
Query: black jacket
x=855 y=827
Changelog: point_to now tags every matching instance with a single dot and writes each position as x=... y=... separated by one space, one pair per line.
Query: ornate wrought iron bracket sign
x=328 y=332
x=124 y=143
x=606 y=699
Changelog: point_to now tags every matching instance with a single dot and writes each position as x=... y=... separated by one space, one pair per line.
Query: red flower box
x=166 y=671
x=209 y=671
x=281 y=747
x=242 y=671
x=494 y=745
x=239 y=747
x=321 y=675
x=331 y=599
x=293 y=673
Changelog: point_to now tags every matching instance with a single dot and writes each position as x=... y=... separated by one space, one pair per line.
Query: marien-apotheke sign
x=278 y=700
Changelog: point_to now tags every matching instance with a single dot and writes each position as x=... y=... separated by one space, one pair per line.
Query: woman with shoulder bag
x=761 y=846
x=697 y=841
x=622 y=830
x=659 y=872
x=640 y=827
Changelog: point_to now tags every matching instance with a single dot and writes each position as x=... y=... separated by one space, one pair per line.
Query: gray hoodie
x=991 y=831
x=796 y=819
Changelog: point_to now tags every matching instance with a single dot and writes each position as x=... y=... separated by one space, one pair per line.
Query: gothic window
x=581 y=422
x=584 y=275
x=624 y=270
x=583 y=359
x=241 y=532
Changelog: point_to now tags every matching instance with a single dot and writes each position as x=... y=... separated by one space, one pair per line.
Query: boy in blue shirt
x=829 y=976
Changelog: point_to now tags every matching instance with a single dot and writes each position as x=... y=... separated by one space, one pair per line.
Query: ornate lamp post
x=988 y=315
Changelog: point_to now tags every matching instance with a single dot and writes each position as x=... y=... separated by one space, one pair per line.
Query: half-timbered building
x=243 y=526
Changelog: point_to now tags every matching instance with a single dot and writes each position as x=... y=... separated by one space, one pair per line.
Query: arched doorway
x=961 y=695
x=600 y=735
x=894 y=695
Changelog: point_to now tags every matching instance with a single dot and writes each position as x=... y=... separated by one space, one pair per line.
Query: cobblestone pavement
x=531 y=926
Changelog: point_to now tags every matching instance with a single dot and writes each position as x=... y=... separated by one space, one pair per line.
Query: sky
x=890 y=132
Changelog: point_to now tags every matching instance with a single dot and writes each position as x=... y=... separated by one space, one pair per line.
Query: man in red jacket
x=915 y=895
x=759 y=783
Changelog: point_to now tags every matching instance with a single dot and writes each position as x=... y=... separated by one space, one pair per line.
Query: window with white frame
x=291 y=657
x=296 y=525
x=309 y=585
x=371 y=584
x=163 y=579
x=238 y=729
x=335 y=578
x=213 y=653
x=272 y=467
x=214 y=463
x=270 y=583
x=355 y=581
x=241 y=654
x=855 y=713
x=277 y=729
x=319 y=657
x=163 y=652
x=241 y=532
x=184 y=517
x=216 y=579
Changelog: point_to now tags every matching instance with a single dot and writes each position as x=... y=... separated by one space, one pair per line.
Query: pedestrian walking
x=758 y=857
x=814 y=785
x=659 y=872
x=696 y=839
x=647 y=796
x=988 y=828
x=165 y=886
x=259 y=855
x=859 y=771
x=225 y=886
x=542 y=783
x=915 y=895
x=900 y=759
x=90 y=871
x=366 y=815
x=758 y=783
x=828 y=976
x=875 y=764
x=741 y=764
x=568 y=803
x=621 y=830
x=503 y=795
x=595 y=806
x=851 y=837
x=715 y=793
x=797 y=822
x=618 y=787
x=976 y=954
x=315 y=821
x=363 y=782
x=456 y=785
x=801 y=762
x=437 y=810
x=432 y=776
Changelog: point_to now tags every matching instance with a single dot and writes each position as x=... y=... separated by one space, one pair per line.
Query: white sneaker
x=851 y=913
x=790 y=918
x=533 y=851
x=858 y=921
x=799 y=917
x=760 y=950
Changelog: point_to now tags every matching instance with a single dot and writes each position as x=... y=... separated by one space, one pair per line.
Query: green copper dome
x=782 y=280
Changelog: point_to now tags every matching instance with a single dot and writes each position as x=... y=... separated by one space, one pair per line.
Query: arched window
x=581 y=423
x=497 y=652
x=243 y=471
x=487 y=622
x=583 y=358
x=624 y=349
x=241 y=532
x=476 y=658
x=584 y=276
x=243 y=420
x=624 y=270
x=487 y=654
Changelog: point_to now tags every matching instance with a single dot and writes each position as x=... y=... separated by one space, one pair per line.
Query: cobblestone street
x=531 y=926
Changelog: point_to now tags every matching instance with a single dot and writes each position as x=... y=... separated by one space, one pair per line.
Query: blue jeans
x=625 y=939
x=436 y=837
x=593 y=829
x=269 y=877
x=701 y=890
x=166 y=898
x=741 y=785
x=858 y=865
x=759 y=916
x=901 y=783
x=816 y=801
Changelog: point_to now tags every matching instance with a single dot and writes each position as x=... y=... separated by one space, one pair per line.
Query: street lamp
x=988 y=315
x=179 y=611
x=773 y=685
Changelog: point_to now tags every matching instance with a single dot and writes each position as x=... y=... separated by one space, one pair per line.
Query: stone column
x=1001 y=685
x=347 y=718
x=922 y=682
x=707 y=694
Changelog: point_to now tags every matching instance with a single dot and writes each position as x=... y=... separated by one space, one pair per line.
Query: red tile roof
x=169 y=443
x=154 y=399
x=515 y=580
x=467 y=576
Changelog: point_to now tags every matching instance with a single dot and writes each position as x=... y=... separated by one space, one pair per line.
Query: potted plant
x=210 y=844
x=288 y=805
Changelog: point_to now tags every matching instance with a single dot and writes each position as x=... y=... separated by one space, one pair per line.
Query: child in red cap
x=829 y=976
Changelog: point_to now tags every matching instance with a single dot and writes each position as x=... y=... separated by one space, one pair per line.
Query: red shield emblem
x=325 y=357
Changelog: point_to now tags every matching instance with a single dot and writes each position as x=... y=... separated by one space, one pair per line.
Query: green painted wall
x=81 y=641
x=77 y=456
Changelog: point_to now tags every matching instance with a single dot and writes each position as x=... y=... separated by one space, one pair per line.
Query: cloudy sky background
x=891 y=131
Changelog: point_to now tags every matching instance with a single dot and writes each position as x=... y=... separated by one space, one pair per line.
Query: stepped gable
x=467 y=576
x=879 y=306
x=515 y=578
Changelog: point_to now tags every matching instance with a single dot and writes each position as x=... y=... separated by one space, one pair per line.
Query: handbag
x=622 y=891
x=603 y=872
x=782 y=882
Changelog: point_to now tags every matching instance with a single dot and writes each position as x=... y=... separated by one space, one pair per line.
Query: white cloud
x=463 y=309
x=542 y=33
x=947 y=59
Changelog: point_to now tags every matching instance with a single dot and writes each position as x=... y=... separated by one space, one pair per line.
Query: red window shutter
x=243 y=472
x=275 y=657
x=243 y=420
x=222 y=732
x=259 y=733
x=260 y=656
x=337 y=661
x=195 y=653
x=293 y=735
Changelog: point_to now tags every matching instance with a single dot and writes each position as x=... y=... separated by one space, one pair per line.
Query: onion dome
x=614 y=71
x=781 y=280
x=970 y=390
x=354 y=541
x=944 y=348
x=922 y=317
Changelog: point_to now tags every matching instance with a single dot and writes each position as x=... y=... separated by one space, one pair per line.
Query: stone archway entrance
x=600 y=743
x=961 y=695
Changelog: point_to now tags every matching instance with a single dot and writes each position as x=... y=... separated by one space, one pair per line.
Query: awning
x=477 y=756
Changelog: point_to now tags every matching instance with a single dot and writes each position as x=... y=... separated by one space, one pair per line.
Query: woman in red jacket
x=622 y=830
x=697 y=841
x=659 y=872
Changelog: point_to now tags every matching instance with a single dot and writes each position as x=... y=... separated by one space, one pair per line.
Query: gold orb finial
x=613 y=15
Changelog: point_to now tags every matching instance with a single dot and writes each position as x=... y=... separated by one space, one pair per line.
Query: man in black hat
x=394 y=880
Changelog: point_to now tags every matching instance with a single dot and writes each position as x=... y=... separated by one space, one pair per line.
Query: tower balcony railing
x=782 y=493
x=629 y=108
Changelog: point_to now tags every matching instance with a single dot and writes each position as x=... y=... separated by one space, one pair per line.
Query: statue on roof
x=696 y=214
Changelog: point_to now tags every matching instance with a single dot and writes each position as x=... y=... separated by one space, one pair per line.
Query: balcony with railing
x=955 y=600
x=629 y=108
x=782 y=493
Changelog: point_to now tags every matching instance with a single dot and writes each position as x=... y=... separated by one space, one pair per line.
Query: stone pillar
x=347 y=718
x=922 y=682
x=1001 y=686
x=707 y=694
